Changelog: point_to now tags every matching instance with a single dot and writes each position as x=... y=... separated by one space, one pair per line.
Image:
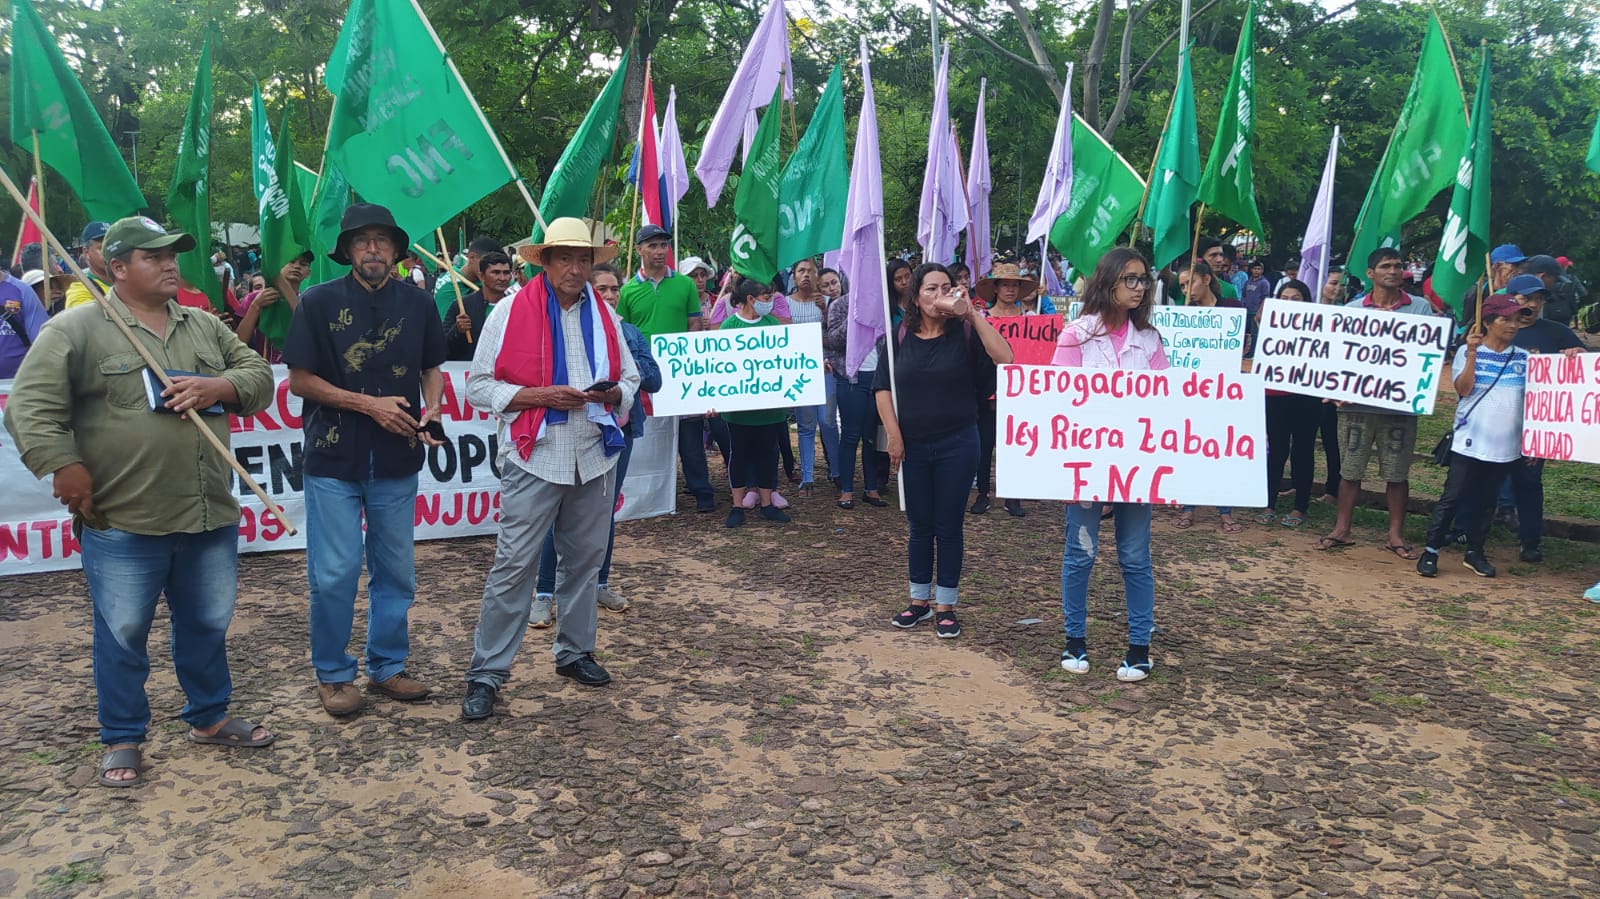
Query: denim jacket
x=649 y=376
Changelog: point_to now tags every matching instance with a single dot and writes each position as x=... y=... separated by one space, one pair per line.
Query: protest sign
x=651 y=488
x=1115 y=435
x=1374 y=357
x=1196 y=337
x=1561 y=408
x=739 y=369
x=1032 y=337
x=458 y=489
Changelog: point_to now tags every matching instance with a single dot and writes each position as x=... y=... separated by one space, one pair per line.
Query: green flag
x=405 y=130
x=261 y=148
x=188 y=203
x=1465 y=242
x=754 y=249
x=48 y=101
x=322 y=268
x=815 y=186
x=1105 y=198
x=284 y=232
x=1423 y=151
x=567 y=189
x=328 y=204
x=1174 y=184
x=1228 y=185
x=1594 y=147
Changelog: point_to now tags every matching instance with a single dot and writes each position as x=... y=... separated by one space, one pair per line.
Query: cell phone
x=600 y=387
x=433 y=429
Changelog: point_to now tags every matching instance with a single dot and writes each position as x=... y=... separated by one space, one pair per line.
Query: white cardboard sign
x=1197 y=337
x=1374 y=357
x=739 y=369
x=1561 y=408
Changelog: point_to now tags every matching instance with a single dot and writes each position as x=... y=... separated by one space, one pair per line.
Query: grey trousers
x=529 y=507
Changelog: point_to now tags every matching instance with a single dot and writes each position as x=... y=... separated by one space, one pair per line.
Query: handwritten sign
x=1388 y=360
x=1561 y=408
x=1032 y=337
x=1196 y=337
x=739 y=369
x=1115 y=435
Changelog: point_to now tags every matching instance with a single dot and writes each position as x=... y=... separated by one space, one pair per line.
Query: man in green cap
x=149 y=497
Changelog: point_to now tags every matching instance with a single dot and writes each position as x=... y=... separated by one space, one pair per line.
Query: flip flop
x=1327 y=544
x=1293 y=520
x=1184 y=521
x=234 y=732
x=1402 y=551
x=1232 y=527
x=122 y=758
x=1267 y=517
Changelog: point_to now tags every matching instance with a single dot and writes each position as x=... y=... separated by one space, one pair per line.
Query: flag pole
x=1194 y=248
x=160 y=372
x=441 y=263
x=450 y=272
x=22 y=225
x=38 y=178
x=1327 y=245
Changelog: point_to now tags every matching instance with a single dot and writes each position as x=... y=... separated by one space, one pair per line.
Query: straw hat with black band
x=566 y=233
x=1003 y=271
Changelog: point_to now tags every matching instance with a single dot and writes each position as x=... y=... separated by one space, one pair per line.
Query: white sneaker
x=540 y=615
x=610 y=601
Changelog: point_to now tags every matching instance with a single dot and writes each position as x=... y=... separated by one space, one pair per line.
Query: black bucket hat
x=365 y=215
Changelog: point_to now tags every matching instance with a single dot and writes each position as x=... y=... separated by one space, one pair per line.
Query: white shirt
x=1492 y=431
x=570 y=452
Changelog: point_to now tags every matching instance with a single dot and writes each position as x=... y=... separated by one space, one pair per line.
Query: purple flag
x=861 y=257
x=765 y=61
x=1055 y=192
x=980 y=248
x=942 y=214
x=674 y=170
x=1319 y=231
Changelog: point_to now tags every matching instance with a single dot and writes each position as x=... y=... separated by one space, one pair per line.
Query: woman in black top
x=943 y=365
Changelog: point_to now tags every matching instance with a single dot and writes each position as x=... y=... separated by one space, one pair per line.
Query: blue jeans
x=547 y=556
x=809 y=420
x=858 y=425
x=1132 y=522
x=334 y=544
x=938 y=475
x=127 y=573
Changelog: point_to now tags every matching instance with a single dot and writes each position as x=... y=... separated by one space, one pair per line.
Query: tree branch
x=1044 y=71
x=1125 y=90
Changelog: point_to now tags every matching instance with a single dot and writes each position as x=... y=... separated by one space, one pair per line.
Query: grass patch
x=1204 y=602
x=1516 y=686
x=786 y=701
x=1422 y=798
x=1543 y=739
x=44 y=756
x=1567 y=788
x=75 y=874
x=1230 y=621
x=1494 y=640
x=696 y=653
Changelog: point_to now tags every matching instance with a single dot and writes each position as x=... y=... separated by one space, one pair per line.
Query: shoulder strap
x=1511 y=354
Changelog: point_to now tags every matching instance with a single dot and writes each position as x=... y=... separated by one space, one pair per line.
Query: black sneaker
x=980 y=505
x=705 y=504
x=773 y=513
x=912 y=616
x=1428 y=564
x=1532 y=554
x=1480 y=566
x=735 y=517
x=1456 y=538
x=1014 y=508
x=945 y=625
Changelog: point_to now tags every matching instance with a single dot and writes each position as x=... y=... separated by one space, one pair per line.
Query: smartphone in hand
x=433 y=429
x=600 y=387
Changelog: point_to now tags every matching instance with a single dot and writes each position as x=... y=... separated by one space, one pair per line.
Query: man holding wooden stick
x=152 y=503
x=364 y=353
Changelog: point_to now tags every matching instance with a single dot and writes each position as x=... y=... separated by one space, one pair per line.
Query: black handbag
x=1441 y=450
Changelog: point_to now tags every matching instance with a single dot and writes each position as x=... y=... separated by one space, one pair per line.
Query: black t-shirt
x=375 y=343
x=938 y=381
x=478 y=310
x=1546 y=336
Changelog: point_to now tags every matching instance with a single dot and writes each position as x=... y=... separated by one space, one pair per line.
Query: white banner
x=739 y=369
x=1389 y=360
x=1196 y=337
x=458 y=489
x=1116 y=435
x=652 y=485
x=1561 y=408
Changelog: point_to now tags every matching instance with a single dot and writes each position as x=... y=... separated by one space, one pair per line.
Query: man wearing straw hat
x=364 y=353
x=151 y=502
x=554 y=368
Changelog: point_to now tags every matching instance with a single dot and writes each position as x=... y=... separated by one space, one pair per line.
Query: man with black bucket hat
x=364 y=353
x=151 y=501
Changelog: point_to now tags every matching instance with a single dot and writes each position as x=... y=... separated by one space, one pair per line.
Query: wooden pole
x=38 y=179
x=1194 y=248
x=450 y=272
x=161 y=373
x=22 y=225
x=440 y=262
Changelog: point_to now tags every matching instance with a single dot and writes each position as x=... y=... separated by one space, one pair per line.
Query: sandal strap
x=131 y=758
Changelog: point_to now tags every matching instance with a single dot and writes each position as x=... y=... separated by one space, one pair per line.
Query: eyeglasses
x=1137 y=282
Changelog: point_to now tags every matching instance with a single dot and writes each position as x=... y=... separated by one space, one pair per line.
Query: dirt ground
x=1318 y=724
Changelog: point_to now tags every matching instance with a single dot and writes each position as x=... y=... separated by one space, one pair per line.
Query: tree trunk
x=1093 y=65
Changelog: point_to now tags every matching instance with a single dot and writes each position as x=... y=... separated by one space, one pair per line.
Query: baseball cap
x=1505 y=306
x=1541 y=265
x=141 y=233
x=92 y=232
x=1563 y=261
x=1524 y=284
x=1507 y=252
x=648 y=233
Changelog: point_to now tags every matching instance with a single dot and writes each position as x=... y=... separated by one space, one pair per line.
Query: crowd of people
x=558 y=341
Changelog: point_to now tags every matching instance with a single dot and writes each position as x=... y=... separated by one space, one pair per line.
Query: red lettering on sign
x=46 y=530
x=427 y=509
x=477 y=508
x=13 y=541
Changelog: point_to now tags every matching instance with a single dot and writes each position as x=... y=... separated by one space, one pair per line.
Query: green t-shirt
x=756 y=416
x=663 y=308
x=444 y=296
